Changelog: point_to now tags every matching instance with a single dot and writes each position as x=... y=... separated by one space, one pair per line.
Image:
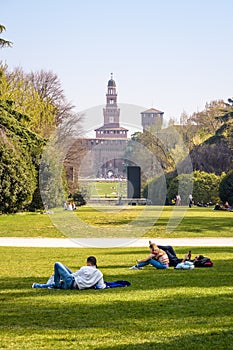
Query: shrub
x=226 y=188
x=17 y=179
x=206 y=187
x=182 y=185
x=79 y=198
x=203 y=186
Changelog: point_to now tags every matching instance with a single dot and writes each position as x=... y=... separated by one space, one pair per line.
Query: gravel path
x=112 y=242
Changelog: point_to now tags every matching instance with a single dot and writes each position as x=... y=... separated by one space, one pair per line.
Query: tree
x=48 y=86
x=19 y=154
x=215 y=155
x=34 y=109
x=203 y=186
x=155 y=143
x=182 y=185
x=39 y=95
x=20 y=150
x=201 y=125
x=206 y=121
x=41 y=112
x=226 y=188
x=52 y=181
x=189 y=131
x=17 y=178
x=156 y=189
x=225 y=131
x=3 y=42
x=206 y=187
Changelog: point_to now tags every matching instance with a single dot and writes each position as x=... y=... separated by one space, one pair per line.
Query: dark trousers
x=173 y=259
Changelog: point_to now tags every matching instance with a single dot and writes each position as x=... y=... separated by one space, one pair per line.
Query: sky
x=173 y=55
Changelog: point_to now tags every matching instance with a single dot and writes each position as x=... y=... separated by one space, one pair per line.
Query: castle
x=103 y=156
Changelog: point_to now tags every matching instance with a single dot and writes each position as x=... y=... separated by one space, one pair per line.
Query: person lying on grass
x=173 y=259
x=185 y=263
x=158 y=258
x=86 y=277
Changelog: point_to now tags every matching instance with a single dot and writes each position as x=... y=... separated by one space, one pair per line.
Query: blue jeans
x=154 y=263
x=61 y=272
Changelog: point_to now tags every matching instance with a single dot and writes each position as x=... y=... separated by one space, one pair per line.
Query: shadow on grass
x=210 y=221
x=210 y=340
x=71 y=313
x=163 y=309
x=207 y=224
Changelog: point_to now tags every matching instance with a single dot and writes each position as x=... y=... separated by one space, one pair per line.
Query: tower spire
x=111 y=128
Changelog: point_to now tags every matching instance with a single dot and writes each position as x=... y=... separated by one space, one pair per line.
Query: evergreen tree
x=20 y=151
x=3 y=42
x=226 y=188
x=17 y=178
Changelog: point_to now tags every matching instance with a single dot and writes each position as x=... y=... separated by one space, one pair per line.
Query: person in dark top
x=173 y=259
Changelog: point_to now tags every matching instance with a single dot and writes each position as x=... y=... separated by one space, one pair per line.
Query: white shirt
x=89 y=276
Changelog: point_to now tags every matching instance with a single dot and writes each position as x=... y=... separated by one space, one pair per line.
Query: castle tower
x=111 y=128
x=152 y=118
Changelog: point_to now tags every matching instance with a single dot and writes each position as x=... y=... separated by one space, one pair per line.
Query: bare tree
x=48 y=86
x=67 y=146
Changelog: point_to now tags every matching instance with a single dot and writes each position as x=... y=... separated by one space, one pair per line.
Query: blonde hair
x=153 y=246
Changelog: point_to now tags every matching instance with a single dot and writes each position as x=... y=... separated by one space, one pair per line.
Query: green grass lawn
x=197 y=222
x=122 y=221
x=27 y=225
x=103 y=189
x=161 y=310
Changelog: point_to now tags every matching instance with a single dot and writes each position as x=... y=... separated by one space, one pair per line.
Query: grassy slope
x=197 y=222
x=161 y=310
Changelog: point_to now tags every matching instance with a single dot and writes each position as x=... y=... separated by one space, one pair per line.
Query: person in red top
x=158 y=258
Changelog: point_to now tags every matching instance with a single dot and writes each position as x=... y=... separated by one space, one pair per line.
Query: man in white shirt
x=86 y=277
x=190 y=200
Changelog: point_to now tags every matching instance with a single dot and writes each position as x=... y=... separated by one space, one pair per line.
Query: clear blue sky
x=173 y=54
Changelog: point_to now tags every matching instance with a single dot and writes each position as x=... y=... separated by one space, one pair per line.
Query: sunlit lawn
x=108 y=189
x=161 y=310
x=194 y=222
x=27 y=225
x=149 y=221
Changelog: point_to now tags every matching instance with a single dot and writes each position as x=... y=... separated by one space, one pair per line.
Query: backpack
x=203 y=261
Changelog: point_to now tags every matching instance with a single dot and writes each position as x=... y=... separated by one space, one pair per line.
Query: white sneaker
x=52 y=287
x=33 y=286
x=135 y=267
